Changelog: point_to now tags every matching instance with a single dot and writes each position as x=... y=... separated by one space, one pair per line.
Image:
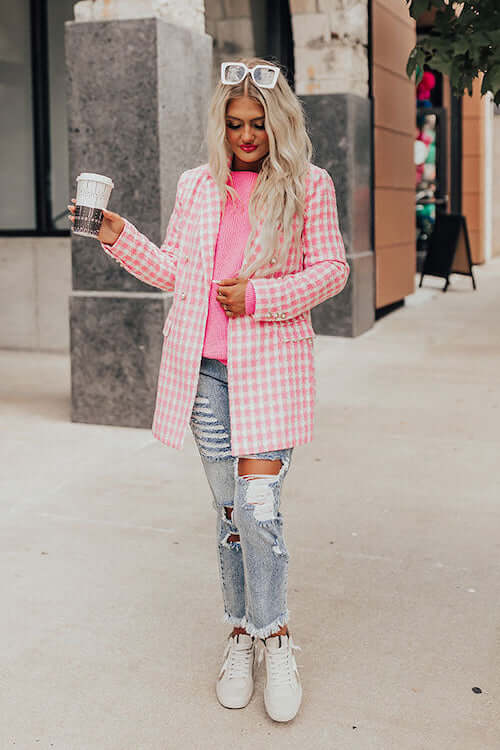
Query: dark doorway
x=456 y=154
x=272 y=27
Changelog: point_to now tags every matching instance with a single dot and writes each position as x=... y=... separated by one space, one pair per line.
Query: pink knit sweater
x=233 y=234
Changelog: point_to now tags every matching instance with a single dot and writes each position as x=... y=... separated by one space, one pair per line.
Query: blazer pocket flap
x=295 y=330
x=167 y=326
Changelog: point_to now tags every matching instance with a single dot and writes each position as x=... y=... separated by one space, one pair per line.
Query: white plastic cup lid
x=96 y=178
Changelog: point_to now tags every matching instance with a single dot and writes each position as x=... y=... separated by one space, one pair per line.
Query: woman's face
x=245 y=132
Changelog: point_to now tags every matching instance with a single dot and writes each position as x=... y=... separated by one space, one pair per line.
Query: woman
x=252 y=245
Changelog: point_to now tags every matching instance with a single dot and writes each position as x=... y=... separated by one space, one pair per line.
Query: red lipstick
x=248 y=148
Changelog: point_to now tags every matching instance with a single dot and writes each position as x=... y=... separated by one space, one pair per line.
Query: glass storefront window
x=17 y=177
x=58 y=13
x=33 y=126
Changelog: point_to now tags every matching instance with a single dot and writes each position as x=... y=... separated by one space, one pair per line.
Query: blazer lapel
x=213 y=208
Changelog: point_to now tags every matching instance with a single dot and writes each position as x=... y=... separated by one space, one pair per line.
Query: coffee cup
x=92 y=195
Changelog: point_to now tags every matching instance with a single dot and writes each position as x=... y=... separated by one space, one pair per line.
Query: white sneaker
x=283 y=690
x=234 y=685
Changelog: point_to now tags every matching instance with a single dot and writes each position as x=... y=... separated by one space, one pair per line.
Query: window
x=33 y=127
x=59 y=12
x=17 y=178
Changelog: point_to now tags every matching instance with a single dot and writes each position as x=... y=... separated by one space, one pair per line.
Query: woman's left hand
x=231 y=295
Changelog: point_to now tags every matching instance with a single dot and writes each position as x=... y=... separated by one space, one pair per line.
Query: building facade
x=346 y=61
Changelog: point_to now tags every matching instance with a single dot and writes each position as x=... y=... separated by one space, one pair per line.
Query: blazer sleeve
x=325 y=268
x=142 y=258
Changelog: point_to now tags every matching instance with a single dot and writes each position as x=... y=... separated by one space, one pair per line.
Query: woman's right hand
x=111 y=227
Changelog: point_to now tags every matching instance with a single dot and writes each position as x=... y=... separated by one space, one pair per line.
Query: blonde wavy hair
x=280 y=188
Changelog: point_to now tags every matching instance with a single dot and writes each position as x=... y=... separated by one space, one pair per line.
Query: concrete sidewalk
x=111 y=625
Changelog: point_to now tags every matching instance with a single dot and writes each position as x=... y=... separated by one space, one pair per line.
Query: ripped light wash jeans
x=253 y=571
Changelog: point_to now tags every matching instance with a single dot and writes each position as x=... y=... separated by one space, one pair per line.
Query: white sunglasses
x=264 y=76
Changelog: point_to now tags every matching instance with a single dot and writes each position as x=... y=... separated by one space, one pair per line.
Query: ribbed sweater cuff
x=249 y=299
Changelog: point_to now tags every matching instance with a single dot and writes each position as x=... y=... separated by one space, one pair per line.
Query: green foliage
x=465 y=41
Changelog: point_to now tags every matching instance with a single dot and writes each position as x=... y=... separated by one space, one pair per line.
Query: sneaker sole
x=283 y=716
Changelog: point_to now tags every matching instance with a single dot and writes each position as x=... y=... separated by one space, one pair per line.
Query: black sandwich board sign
x=449 y=249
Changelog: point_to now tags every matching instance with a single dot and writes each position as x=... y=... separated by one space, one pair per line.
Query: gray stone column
x=137 y=100
x=341 y=131
x=332 y=80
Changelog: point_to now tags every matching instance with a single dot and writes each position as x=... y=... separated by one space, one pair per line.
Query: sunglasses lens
x=234 y=73
x=264 y=76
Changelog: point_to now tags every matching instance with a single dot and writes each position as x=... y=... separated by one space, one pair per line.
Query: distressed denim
x=253 y=571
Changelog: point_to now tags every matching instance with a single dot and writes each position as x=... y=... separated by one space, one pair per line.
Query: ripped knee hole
x=249 y=468
x=229 y=512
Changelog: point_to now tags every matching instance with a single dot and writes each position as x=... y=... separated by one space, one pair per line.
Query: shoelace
x=281 y=663
x=236 y=660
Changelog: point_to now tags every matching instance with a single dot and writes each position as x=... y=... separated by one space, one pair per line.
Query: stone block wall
x=331 y=38
x=229 y=23
x=187 y=13
x=34 y=287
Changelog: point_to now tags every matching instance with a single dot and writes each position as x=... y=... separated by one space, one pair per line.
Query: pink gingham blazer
x=271 y=370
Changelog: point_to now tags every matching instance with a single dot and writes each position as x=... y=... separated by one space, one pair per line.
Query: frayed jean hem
x=237 y=622
x=263 y=632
